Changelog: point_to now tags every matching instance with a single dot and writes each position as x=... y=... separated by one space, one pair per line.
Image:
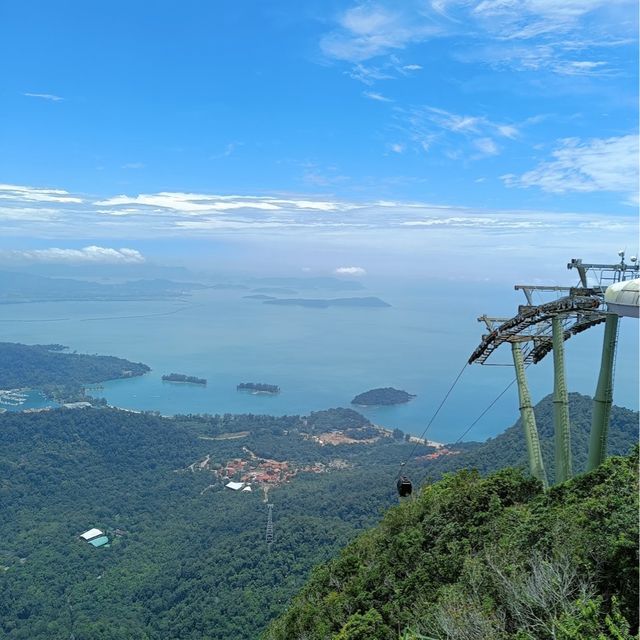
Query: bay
x=320 y=358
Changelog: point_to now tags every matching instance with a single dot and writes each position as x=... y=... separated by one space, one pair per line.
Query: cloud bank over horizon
x=279 y=233
x=60 y=213
x=87 y=255
x=350 y=271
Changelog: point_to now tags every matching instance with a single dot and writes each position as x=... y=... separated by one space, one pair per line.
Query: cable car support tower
x=269 y=531
x=537 y=329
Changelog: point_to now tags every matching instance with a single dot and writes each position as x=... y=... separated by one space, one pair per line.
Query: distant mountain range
x=328 y=283
x=17 y=287
x=24 y=286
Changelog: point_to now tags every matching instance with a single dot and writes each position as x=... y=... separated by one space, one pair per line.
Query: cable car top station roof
x=623 y=298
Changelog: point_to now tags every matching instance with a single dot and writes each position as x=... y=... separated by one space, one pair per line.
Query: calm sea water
x=30 y=399
x=320 y=358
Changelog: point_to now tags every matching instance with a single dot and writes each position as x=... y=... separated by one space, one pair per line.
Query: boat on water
x=13 y=397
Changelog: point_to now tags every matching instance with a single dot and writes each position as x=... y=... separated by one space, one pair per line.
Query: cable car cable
x=488 y=407
x=433 y=417
x=486 y=410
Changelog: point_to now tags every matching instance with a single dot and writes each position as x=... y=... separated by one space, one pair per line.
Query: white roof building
x=234 y=485
x=623 y=298
x=92 y=533
x=247 y=488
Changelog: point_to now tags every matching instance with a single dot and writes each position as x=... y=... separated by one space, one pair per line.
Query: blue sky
x=344 y=128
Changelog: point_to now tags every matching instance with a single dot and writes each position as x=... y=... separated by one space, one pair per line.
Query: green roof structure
x=99 y=542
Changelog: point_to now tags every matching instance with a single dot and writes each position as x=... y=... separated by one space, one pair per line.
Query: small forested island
x=259 y=387
x=180 y=377
x=384 y=396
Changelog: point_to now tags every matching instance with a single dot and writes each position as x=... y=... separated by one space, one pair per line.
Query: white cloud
x=478 y=222
x=201 y=204
x=91 y=254
x=599 y=164
x=454 y=122
x=372 y=95
x=457 y=123
x=133 y=165
x=370 y=29
x=388 y=68
x=486 y=146
x=229 y=149
x=44 y=96
x=461 y=133
x=529 y=18
x=507 y=130
x=539 y=56
x=397 y=147
x=192 y=203
x=534 y=35
x=31 y=214
x=547 y=35
x=172 y=215
x=124 y=211
x=350 y=271
x=35 y=194
x=587 y=65
x=369 y=75
x=323 y=176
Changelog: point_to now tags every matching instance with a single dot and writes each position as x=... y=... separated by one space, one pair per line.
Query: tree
x=367 y=626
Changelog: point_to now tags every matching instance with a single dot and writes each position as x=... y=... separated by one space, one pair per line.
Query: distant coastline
x=320 y=303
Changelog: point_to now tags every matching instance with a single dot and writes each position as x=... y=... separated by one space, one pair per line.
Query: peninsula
x=383 y=396
x=258 y=387
x=59 y=375
x=180 y=377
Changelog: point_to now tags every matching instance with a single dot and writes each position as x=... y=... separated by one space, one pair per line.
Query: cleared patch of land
x=227 y=436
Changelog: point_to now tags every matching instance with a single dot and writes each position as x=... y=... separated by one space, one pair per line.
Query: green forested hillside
x=41 y=365
x=509 y=448
x=191 y=561
x=476 y=558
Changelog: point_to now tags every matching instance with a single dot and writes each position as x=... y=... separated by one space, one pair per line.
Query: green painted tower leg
x=528 y=418
x=604 y=395
x=560 y=405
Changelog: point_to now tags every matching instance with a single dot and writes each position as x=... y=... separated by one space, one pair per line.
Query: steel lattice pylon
x=269 y=531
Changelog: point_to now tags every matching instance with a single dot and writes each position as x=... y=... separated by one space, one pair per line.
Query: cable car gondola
x=404 y=486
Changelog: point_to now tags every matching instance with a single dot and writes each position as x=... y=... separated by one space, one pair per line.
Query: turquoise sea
x=320 y=358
